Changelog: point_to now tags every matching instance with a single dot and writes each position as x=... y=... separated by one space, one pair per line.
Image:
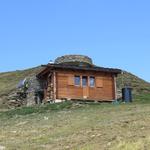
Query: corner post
x=115 y=87
x=54 y=74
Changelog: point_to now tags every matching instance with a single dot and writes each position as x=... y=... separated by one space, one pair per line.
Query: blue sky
x=115 y=33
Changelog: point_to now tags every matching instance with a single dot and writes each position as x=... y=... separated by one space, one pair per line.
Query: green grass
x=142 y=98
x=38 y=109
x=77 y=127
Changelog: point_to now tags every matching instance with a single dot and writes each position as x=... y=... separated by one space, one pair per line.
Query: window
x=77 y=80
x=84 y=81
x=92 y=81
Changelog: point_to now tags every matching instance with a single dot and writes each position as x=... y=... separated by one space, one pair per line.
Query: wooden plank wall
x=103 y=90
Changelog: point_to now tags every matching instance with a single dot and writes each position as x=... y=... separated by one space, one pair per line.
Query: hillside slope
x=128 y=79
x=9 y=81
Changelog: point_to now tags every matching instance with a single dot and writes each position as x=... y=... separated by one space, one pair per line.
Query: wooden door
x=85 y=92
x=85 y=87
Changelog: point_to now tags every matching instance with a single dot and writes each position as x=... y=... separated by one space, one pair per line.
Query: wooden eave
x=51 y=67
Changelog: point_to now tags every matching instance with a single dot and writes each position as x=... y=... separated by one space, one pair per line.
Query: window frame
x=92 y=77
x=79 y=80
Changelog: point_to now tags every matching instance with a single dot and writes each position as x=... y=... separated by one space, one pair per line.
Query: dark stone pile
x=16 y=99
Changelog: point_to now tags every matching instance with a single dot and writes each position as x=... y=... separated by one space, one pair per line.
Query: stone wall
x=68 y=59
x=31 y=95
x=35 y=87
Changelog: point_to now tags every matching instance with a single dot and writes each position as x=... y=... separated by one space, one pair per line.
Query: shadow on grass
x=68 y=105
x=37 y=109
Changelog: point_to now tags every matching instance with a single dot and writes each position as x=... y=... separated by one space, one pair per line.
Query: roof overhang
x=50 y=67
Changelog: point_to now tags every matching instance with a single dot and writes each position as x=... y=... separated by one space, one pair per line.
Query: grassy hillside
x=68 y=126
x=139 y=85
x=76 y=126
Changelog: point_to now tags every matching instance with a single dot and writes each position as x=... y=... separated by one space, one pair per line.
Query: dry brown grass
x=90 y=127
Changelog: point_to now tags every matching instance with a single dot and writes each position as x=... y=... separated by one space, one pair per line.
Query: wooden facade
x=98 y=84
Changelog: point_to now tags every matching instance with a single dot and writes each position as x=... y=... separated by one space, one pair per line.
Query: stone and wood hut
x=75 y=77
